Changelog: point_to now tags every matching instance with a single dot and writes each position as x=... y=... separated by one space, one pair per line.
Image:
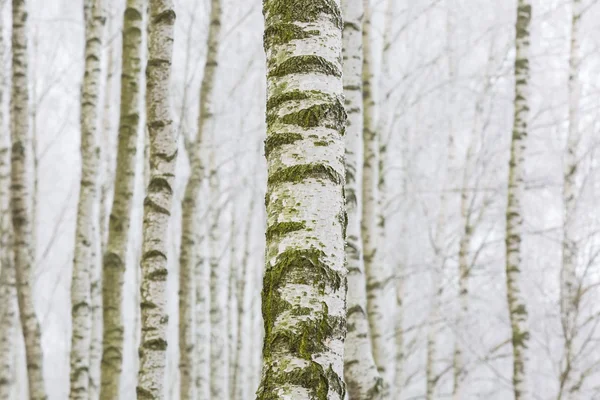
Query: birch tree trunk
x=115 y=254
x=239 y=386
x=232 y=301
x=8 y=309
x=157 y=205
x=8 y=295
x=21 y=202
x=384 y=126
x=570 y=289
x=464 y=243
x=304 y=289
x=87 y=221
x=219 y=346
x=374 y=268
x=202 y=350
x=360 y=371
x=106 y=183
x=189 y=242
x=516 y=186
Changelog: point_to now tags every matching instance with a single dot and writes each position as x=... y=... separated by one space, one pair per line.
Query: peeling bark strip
x=157 y=204
x=21 y=201
x=304 y=287
x=85 y=238
x=360 y=371
x=115 y=255
x=516 y=187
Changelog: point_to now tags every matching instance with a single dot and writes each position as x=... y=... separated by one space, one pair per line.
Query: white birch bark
x=190 y=235
x=202 y=320
x=115 y=253
x=241 y=369
x=304 y=290
x=106 y=182
x=360 y=371
x=383 y=132
x=8 y=309
x=8 y=294
x=376 y=273
x=219 y=343
x=157 y=204
x=21 y=204
x=570 y=289
x=85 y=238
x=232 y=301
x=464 y=243
x=516 y=186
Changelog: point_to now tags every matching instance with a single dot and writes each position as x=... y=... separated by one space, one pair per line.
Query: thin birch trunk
x=115 y=254
x=157 y=204
x=384 y=126
x=241 y=370
x=21 y=204
x=360 y=371
x=8 y=307
x=570 y=289
x=219 y=347
x=459 y=365
x=85 y=238
x=106 y=182
x=516 y=187
x=375 y=270
x=304 y=289
x=232 y=301
x=202 y=351
x=188 y=260
x=8 y=294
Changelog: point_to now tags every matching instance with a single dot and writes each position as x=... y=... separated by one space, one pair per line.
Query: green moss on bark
x=283 y=33
x=329 y=115
x=288 y=11
x=305 y=64
x=298 y=173
x=282 y=228
x=282 y=97
x=320 y=381
x=277 y=139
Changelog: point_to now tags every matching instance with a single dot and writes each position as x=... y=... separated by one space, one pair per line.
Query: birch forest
x=299 y=199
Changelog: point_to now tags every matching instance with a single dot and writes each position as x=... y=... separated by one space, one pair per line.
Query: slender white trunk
x=8 y=294
x=85 y=238
x=106 y=182
x=516 y=187
x=219 y=344
x=189 y=261
x=304 y=290
x=202 y=305
x=21 y=203
x=384 y=127
x=570 y=288
x=376 y=271
x=8 y=311
x=232 y=302
x=244 y=329
x=157 y=204
x=360 y=371
x=115 y=253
